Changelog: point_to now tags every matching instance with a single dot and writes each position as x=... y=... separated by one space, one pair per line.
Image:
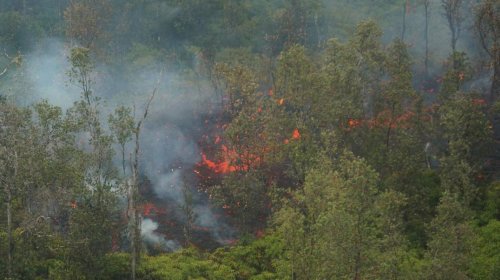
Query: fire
x=281 y=101
x=150 y=209
x=295 y=135
x=353 y=123
x=461 y=76
x=478 y=101
x=231 y=161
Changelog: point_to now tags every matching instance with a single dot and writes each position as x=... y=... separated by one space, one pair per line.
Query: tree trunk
x=426 y=37
x=357 y=266
x=453 y=40
x=495 y=86
x=133 y=228
x=10 y=244
x=404 y=22
x=134 y=191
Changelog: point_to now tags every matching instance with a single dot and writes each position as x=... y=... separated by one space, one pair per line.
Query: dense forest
x=250 y=139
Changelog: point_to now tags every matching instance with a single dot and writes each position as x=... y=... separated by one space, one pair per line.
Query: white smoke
x=168 y=138
x=149 y=235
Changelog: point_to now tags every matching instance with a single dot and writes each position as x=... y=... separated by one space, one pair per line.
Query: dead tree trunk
x=426 y=36
x=405 y=6
x=495 y=85
x=133 y=193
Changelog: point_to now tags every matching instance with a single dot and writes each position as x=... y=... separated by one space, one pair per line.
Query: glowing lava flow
x=149 y=209
x=231 y=161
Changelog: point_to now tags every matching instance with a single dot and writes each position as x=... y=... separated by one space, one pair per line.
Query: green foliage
x=329 y=137
x=331 y=227
x=486 y=253
x=255 y=260
x=491 y=203
x=458 y=72
x=467 y=131
x=186 y=264
x=451 y=238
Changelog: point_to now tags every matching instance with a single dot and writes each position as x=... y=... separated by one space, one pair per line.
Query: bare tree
x=133 y=190
x=426 y=4
x=12 y=61
x=453 y=14
x=406 y=7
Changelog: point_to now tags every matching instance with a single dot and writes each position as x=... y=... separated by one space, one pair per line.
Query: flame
x=150 y=209
x=281 y=101
x=461 y=76
x=478 y=101
x=231 y=161
x=384 y=120
x=353 y=123
x=296 y=134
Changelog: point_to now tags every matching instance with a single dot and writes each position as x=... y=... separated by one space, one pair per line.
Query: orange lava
x=353 y=123
x=231 y=161
x=149 y=209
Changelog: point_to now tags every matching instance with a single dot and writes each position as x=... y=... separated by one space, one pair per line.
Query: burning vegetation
x=260 y=139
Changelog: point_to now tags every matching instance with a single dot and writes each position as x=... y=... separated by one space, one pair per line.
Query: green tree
x=122 y=126
x=95 y=215
x=331 y=227
x=466 y=129
x=451 y=236
x=486 y=250
x=15 y=130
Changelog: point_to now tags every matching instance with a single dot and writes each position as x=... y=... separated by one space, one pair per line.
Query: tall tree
x=133 y=191
x=87 y=21
x=122 y=125
x=488 y=26
x=97 y=198
x=14 y=127
x=427 y=4
x=454 y=15
x=338 y=227
x=451 y=237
